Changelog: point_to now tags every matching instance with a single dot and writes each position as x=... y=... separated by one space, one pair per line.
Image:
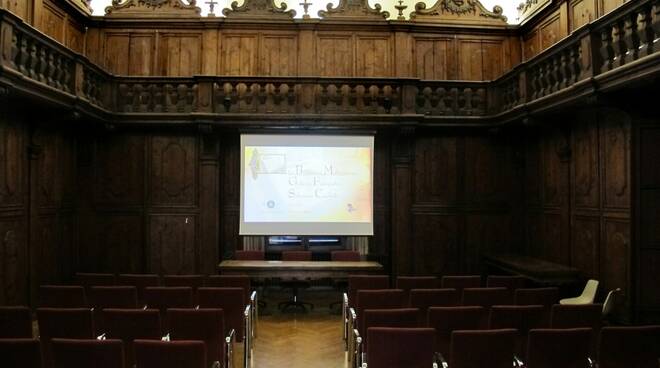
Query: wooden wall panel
x=335 y=55
x=434 y=58
x=141 y=53
x=550 y=32
x=172 y=244
x=582 y=12
x=488 y=171
x=180 y=54
x=75 y=36
x=435 y=245
x=435 y=155
x=279 y=56
x=493 y=58
x=485 y=234
x=12 y=165
x=615 y=148
x=18 y=7
x=118 y=245
x=239 y=54
x=119 y=181
x=116 y=57
x=615 y=255
x=607 y=6
x=173 y=179
x=585 y=166
x=53 y=21
x=470 y=60
x=585 y=247
x=13 y=261
x=374 y=56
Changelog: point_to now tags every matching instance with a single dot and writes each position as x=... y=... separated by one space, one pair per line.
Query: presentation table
x=298 y=269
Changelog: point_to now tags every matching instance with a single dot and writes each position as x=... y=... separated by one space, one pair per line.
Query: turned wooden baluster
x=181 y=97
x=540 y=77
x=57 y=76
x=631 y=38
x=607 y=49
x=43 y=65
x=23 y=56
x=192 y=98
x=372 y=99
x=574 y=68
x=34 y=59
x=438 y=101
x=656 y=20
x=555 y=64
x=66 y=75
x=646 y=36
x=619 y=43
x=355 y=97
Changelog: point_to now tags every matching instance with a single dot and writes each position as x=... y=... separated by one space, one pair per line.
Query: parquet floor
x=297 y=340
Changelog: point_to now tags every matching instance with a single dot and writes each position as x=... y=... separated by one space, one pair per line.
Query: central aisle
x=300 y=340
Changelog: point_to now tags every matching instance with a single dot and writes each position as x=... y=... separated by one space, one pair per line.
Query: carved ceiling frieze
x=259 y=9
x=458 y=12
x=354 y=9
x=153 y=8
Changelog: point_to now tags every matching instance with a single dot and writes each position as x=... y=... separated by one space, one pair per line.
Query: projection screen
x=306 y=185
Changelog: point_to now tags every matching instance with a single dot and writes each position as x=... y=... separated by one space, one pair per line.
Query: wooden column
x=402 y=170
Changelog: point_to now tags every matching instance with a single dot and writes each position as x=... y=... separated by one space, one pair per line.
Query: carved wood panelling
x=230 y=169
x=13 y=262
x=374 y=56
x=487 y=171
x=552 y=236
x=470 y=60
x=552 y=175
x=47 y=168
x=649 y=264
x=615 y=254
x=582 y=12
x=531 y=44
x=650 y=218
x=493 y=59
x=607 y=6
x=435 y=245
x=173 y=171
x=280 y=55
x=141 y=51
x=534 y=234
x=116 y=57
x=209 y=213
x=53 y=21
x=550 y=32
x=119 y=245
x=229 y=229
x=119 y=180
x=75 y=36
x=172 y=244
x=648 y=175
x=485 y=234
x=434 y=58
x=180 y=54
x=615 y=147
x=436 y=170
x=585 y=166
x=18 y=7
x=533 y=174
x=239 y=54
x=44 y=249
x=12 y=165
x=335 y=55
x=585 y=245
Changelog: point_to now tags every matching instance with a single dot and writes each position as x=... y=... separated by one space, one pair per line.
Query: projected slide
x=306 y=185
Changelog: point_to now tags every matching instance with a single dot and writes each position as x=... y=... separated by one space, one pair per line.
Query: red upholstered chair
x=163 y=297
x=15 y=322
x=520 y=317
x=425 y=298
x=73 y=353
x=345 y=256
x=406 y=283
x=207 y=325
x=129 y=325
x=377 y=299
x=460 y=282
x=365 y=282
x=403 y=317
x=445 y=320
x=565 y=348
x=230 y=300
x=629 y=347
x=192 y=281
x=88 y=280
x=547 y=297
x=70 y=323
x=574 y=316
x=511 y=283
x=170 y=354
x=101 y=297
x=482 y=348
x=240 y=281
x=20 y=353
x=486 y=297
x=249 y=255
x=140 y=281
x=401 y=347
x=295 y=284
x=56 y=296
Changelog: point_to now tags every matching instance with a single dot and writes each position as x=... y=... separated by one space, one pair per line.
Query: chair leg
x=295 y=302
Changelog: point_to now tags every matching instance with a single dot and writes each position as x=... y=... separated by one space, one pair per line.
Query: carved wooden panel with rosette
x=172 y=244
x=173 y=171
x=615 y=147
x=586 y=186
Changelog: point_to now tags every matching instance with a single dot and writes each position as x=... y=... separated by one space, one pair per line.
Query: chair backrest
x=551 y=348
x=192 y=281
x=241 y=281
x=486 y=297
x=230 y=300
x=140 y=281
x=20 y=353
x=207 y=325
x=249 y=255
x=378 y=299
x=59 y=296
x=129 y=325
x=71 y=323
x=170 y=354
x=163 y=297
x=345 y=255
x=425 y=298
x=589 y=293
x=575 y=316
x=445 y=320
x=627 y=347
x=74 y=353
x=297 y=255
x=537 y=296
x=482 y=348
x=510 y=282
x=365 y=282
x=610 y=302
x=520 y=317
x=406 y=283
x=101 y=297
x=400 y=347
x=460 y=282
x=403 y=317
x=15 y=322
x=94 y=279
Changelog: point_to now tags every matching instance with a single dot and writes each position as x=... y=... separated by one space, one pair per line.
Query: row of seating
x=619 y=347
x=77 y=353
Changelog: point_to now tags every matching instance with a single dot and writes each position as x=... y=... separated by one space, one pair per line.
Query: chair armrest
x=517 y=362
x=358 y=358
x=247 y=339
x=592 y=364
x=439 y=360
x=101 y=336
x=230 y=339
x=165 y=338
x=344 y=320
x=254 y=301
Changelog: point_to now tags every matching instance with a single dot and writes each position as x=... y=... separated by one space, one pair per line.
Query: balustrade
x=461 y=100
x=156 y=96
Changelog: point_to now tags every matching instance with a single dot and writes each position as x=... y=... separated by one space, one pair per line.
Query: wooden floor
x=297 y=340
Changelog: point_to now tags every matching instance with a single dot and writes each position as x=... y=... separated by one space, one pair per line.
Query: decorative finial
x=400 y=8
x=212 y=4
x=305 y=4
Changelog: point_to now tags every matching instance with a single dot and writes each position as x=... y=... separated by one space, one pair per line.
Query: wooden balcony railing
x=611 y=51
